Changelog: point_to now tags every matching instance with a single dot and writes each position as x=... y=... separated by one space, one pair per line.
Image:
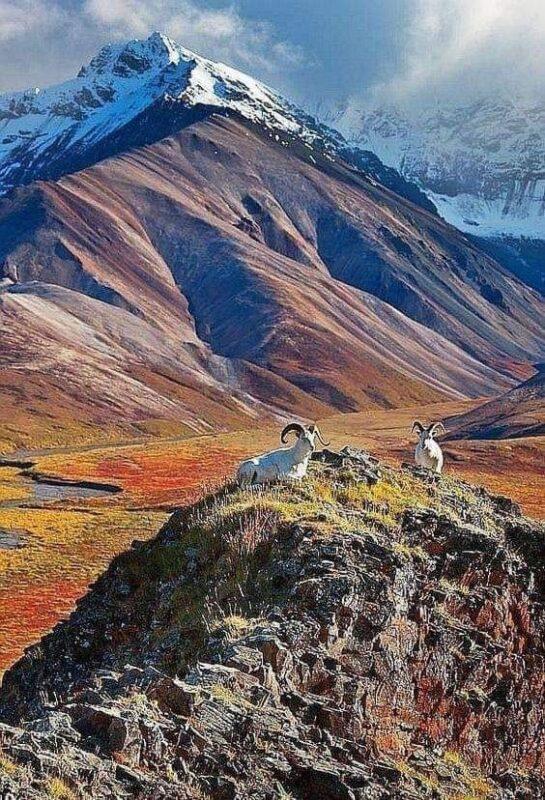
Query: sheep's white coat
x=287 y=462
x=428 y=454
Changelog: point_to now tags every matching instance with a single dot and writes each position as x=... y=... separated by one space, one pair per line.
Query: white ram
x=287 y=462
x=428 y=454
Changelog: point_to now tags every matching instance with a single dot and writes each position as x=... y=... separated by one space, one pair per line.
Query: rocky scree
x=369 y=634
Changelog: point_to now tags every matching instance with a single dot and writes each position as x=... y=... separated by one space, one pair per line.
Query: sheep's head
x=307 y=435
x=427 y=434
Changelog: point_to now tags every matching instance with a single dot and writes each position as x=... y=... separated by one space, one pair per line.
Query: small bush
x=7 y=765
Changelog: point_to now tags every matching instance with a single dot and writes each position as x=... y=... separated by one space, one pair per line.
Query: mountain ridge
x=47 y=133
x=159 y=230
x=205 y=247
x=518 y=413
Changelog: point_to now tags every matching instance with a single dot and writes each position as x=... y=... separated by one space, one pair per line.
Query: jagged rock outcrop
x=345 y=639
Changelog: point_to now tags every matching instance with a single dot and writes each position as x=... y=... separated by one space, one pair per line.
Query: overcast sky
x=312 y=50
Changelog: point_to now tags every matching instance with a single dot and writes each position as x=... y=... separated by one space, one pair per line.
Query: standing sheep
x=287 y=462
x=428 y=454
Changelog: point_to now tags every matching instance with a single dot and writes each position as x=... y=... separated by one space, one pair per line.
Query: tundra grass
x=159 y=474
x=12 y=486
x=63 y=552
x=66 y=548
x=58 y=789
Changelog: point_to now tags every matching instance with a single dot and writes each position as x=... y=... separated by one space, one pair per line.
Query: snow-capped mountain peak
x=119 y=83
x=482 y=164
x=169 y=69
x=134 y=93
x=135 y=57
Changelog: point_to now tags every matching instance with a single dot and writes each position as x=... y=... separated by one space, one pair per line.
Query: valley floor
x=54 y=542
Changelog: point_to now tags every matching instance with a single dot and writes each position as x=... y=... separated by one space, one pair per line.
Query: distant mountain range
x=178 y=242
x=481 y=164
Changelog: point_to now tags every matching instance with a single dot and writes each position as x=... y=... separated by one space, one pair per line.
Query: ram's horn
x=319 y=435
x=432 y=429
x=418 y=425
x=292 y=427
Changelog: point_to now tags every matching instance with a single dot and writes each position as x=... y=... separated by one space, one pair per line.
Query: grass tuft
x=58 y=789
x=8 y=766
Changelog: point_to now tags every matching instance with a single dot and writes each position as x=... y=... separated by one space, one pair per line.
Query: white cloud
x=45 y=41
x=454 y=49
x=465 y=48
x=21 y=17
x=219 y=33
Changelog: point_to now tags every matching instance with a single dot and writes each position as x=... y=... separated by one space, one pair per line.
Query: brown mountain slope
x=73 y=365
x=221 y=263
x=519 y=412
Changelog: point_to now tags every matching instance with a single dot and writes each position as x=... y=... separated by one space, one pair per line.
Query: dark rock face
x=336 y=640
x=523 y=257
x=364 y=466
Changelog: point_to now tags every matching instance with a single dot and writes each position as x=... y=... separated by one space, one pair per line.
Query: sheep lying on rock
x=428 y=454
x=287 y=462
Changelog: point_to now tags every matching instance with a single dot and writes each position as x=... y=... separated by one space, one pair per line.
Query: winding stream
x=45 y=489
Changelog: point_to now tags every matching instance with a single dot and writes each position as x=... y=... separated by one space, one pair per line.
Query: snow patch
x=482 y=165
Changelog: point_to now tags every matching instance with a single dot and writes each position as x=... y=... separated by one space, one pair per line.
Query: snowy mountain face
x=117 y=86
x=482 y=165
x=136 y=93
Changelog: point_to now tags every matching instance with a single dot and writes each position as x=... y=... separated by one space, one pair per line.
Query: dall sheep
x=428 y=454
x=287 y=462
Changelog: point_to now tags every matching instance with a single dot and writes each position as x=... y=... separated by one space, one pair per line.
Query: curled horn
x=292 y=427
x=433 y=428
x=318 y=433
x=418 y=425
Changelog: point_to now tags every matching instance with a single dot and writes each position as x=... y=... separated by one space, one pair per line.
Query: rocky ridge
x=372 y=633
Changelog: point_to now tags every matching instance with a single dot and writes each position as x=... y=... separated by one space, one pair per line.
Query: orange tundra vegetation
x=64 y=550
x=160 y=473
x=68 y=543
